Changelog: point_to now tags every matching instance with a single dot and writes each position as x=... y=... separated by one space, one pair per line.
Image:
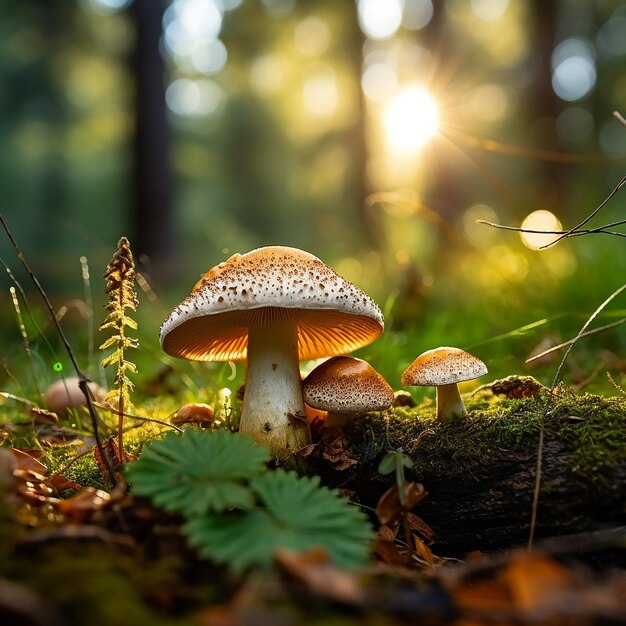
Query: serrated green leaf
x=198 y=471
x=298 y=515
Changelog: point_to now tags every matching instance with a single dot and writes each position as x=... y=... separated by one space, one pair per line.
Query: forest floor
x=75 y=549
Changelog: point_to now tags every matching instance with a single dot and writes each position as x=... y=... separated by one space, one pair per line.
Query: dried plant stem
x=83 y=380
x=581 y=333
x=22 y=327
x=120 y=276
x=579 y=336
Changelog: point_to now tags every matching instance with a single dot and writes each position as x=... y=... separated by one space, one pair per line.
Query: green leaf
x=198 y=471
x=298 y=515
x=388 y=464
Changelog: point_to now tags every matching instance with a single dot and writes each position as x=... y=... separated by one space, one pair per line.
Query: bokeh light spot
x=380 y=19
x=379 y=82
x=540 y=220
x=312 y=36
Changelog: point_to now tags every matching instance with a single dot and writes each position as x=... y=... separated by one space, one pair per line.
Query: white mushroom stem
x=449 y=403
x=273 y=409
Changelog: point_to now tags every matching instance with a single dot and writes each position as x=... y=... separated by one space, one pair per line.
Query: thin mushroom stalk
x=449 y=403
x=273 y=409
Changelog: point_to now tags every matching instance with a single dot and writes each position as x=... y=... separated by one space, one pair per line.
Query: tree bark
x=153 y=227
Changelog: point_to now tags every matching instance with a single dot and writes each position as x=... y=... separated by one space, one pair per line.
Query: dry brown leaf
x=26 y=460
x=314 y=570
x=389 y=508
x=535 y=580
x=60 y=482
x=86 y=502
x=418 y=524
x=389 y=553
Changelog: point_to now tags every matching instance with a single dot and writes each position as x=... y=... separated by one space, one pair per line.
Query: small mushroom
x=65 y=394
x=272 y=307
x=346 y=387
x=443 y=368
x=194 y=413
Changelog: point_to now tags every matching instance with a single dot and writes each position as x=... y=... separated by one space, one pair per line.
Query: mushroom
x=346 y=387
x=65 y=393
x=443 y=368
x=273 y=306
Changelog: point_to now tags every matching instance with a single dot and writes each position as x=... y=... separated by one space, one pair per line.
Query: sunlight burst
x=410 y=120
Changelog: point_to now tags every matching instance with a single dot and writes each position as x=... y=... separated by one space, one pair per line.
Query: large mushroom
x=346 y=387
x=443 y=368
x=272 y=306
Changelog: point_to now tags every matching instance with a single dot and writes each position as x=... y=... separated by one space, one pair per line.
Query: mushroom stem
x=337 y=420
x=273 y=409
x=449 y=403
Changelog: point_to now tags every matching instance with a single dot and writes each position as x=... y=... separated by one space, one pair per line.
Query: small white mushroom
x=443 y=368
x=272 y=306
x=346 y=387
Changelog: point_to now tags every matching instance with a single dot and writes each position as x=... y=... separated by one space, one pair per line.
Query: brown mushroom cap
x=443 y=366
x=346 y=385
x=333 y=316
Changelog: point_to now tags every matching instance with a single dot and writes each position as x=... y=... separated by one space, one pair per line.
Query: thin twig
x=618 y=116
x=579 y=336
x=591 y=215
x=112 y=409
x=600 y=230
x=535 y=507
x=581 y=333
x=83 y=380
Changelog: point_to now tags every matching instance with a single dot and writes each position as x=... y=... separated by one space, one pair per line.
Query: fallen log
x=480 y=472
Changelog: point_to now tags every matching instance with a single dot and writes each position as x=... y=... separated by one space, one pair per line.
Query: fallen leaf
x=389 y=508
x=321 y=577
x=26 y=460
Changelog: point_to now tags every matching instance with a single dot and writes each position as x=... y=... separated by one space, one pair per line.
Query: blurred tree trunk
x=544 y=105
x=444 y=193
x=369 y=223
x=153 y=225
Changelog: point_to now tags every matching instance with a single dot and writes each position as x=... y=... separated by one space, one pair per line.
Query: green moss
x=592 y=427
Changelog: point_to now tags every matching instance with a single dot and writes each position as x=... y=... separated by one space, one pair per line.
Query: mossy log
x=480 y=472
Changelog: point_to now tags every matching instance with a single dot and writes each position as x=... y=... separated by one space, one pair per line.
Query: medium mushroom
x=273 y=306
x=346 y=387
x=443 y=368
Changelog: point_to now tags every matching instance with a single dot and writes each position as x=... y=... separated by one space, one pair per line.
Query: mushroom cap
x=64 y=394
x=346 y=385
x=443 y=366
x=332 y=315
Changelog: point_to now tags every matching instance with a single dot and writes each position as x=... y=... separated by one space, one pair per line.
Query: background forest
x=373 y=134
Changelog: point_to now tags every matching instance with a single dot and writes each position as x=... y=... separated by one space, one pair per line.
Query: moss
x=592 y=427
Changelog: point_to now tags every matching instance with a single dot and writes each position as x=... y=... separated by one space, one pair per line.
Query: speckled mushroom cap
x=443 y=366
x=347 y=385
x=333 y=316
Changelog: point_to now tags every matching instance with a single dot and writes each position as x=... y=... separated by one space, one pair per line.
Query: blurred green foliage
x=286 y=141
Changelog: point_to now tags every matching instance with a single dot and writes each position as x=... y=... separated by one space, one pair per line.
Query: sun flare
x=411 y=119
